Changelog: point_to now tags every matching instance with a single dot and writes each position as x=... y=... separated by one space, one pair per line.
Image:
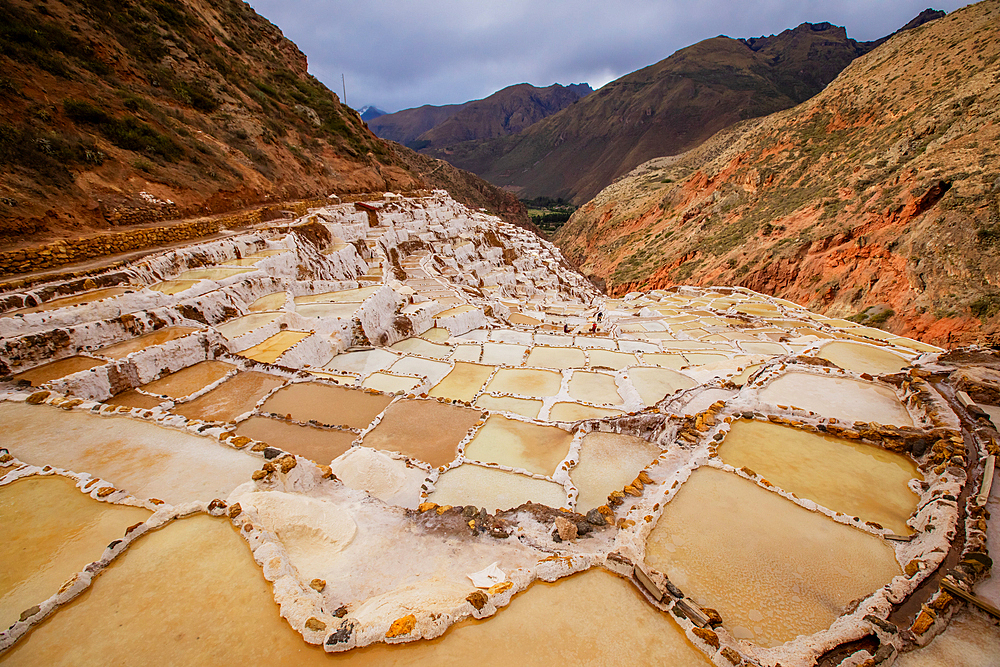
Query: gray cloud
x=397 y=54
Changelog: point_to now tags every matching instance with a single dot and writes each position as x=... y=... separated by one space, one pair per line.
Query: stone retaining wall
x=62 y=252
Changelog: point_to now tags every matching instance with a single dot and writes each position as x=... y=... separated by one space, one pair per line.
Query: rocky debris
x=402 y=626
x=706 y=635
x=315 y=624
x=594 y=517
x=565 y=530
x=478 y=600
x=317 y=585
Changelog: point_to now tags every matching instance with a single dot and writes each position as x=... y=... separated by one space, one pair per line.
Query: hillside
x=878 y=198
x=663 y=109
x=176 y=109
x=508 y=111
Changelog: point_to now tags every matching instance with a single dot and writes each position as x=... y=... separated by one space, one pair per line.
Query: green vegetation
x=129 y=132
x=873 y=316
x=548 y=213
x=986 y=306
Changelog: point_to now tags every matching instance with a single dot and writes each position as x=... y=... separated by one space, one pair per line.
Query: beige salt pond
x=58 y=369
x=327 y=404
x=125 y=348
x=242 y=325
x=862 y=358
x=362 y=362
x=214 y=273
x=498 y=354
x=463 y=382
x=594 y=388
x=321 y=445
x=653 y=384
x=608 y=462
x=571 y=412
x=273 y=301
x=494 y=489
x=555 y=357
x=436 y=335
x=525 y=381
x=423 y=348
x=134 y=399
x=517 y=444
x=843 y=398
x=724 y=555
x=390 y=383
x=337 y=310
x=201 y=560
x=147 y=460
x=73 y=300
x=171 y=287
x=526 y=407
x=234 y=397
x=51 y=531
x=613 y=360
x=425 y=430
x=189 y=380
x=356 y=295
x=842 y=475
x=270 y=350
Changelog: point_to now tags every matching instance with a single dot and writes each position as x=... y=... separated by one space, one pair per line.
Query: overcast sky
x=397 y=54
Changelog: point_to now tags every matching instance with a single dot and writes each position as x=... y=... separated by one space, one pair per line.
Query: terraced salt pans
x=377 y=453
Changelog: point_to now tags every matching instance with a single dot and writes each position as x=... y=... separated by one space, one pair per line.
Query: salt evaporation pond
x=134 y=399
x=356 y=295
x=326 y=404
x=172 y=287
x=722 y=554
x=571 y=412
x=76 y=299
x=653 y=384
x=125 y=348
x=862 y=358
x=335 y=310
x=613 y=360
x=144 y=459
x=594 y=388
x=189 y=380
x=525 y=382
x=843 y=398
x=212 y=273
x=463 y=382
x=58 y=369
x=231 y=399
x=555 y=357
x=424 y=429
x=494 y=489
x=273 y=301
x=241 y=325
x=842 y=475
x=52 y=530
x=608 y=462
x=270 y=350
x=321 y=445
x=527 y=407
x=390 y=383
x=517 y=444
x=362 y=362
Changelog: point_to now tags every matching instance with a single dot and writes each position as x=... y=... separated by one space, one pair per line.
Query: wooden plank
x=971 y=598
x=984 y=491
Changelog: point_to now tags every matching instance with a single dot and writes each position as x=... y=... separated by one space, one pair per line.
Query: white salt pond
x=335 y=310
x=144 y=459
x=362 y=362
x=273 y=301
x=555 y=357
x=356 y=295
x=52 y=530
x=212 y=273
x=73 y=300
x=843 y=398
x=608 y=462
x=842 y=475
x=517 y=444
x=498 y=354
x=390 y=383
x=171 y=287
x=722 y=554
x=423 y=348
x=594 y=388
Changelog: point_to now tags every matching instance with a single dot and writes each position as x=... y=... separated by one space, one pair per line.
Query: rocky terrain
x=877 y=198
x=663 y=109
x=432 y=128
x=163 y=110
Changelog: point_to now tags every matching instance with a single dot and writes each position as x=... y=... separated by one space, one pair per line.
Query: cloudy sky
x=397 y=54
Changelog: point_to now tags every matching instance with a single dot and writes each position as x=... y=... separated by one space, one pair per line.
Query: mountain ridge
x=876 y=199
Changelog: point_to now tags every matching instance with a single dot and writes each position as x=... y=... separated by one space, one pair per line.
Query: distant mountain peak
x=370 y=112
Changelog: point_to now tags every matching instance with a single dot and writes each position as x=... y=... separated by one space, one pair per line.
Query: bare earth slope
x=881 y=192
x=172 y=110
x=663 y=109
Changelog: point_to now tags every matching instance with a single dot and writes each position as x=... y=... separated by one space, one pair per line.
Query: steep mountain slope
x=879 y=197
x=168 y=109
x=508 y=111
x=662 y=109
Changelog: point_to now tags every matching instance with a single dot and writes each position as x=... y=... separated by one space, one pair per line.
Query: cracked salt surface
x=368 y=509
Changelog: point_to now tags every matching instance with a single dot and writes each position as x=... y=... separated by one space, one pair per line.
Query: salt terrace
x=408 y=421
